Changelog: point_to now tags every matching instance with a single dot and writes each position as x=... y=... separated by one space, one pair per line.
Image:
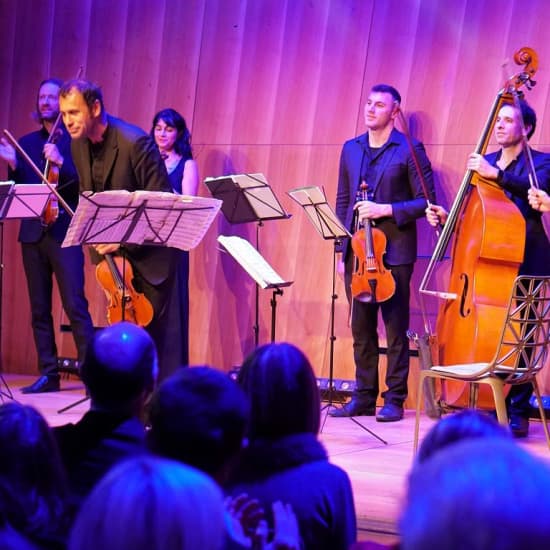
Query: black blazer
x=131 y=161
x=396 y=182
x=515 y=182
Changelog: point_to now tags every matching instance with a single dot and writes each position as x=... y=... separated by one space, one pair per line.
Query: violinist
x=40 y=241
x=383 y=160
x=173 y=139
x=111 y=154
x=508 y=167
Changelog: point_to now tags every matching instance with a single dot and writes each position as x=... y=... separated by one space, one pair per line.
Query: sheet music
x=22 y=201
x=141 y=217
x=252 y=262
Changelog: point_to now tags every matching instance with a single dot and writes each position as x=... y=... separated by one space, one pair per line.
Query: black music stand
x=17 y=202
x=327 y=224
x=151 y=218
x=248 y=198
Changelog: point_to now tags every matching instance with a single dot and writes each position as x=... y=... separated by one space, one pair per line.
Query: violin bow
x=52 y=188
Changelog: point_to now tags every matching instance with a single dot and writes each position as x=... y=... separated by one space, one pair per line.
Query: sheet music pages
x=252 y=261
x=165 y=219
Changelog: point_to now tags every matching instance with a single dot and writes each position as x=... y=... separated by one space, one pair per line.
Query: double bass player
x=509 y=168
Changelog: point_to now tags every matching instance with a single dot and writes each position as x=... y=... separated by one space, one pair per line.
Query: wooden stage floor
x=378 y=472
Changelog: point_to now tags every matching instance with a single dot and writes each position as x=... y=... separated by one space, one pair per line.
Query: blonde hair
x=151 y=504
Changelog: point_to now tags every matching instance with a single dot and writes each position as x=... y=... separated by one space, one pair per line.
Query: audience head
x=151 y=504
x=170 y=120
x=199 y=416
x=466 y=424
x=479 y=494
x=120 y=367
x=283 y=393
x=32 y=480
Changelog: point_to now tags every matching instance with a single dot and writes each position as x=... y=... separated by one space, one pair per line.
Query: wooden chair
x=520 y=355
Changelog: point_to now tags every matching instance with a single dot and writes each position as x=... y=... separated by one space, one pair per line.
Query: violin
x=51 y=173
x=370 y=280
x=115 y=275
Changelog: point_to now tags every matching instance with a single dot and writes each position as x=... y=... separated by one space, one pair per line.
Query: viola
x=371 y=281
x=115 y=275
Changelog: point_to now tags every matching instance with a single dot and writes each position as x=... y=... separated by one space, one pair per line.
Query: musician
x=381 y=157
x=508 y=167
x=41 y=248
x=111 y=154
x=173 y=139
x=539 y=199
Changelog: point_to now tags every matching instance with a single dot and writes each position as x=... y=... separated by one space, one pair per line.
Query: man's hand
x=51 y=153
x=436 y=215
x=7 y=153
x=480 y=165
x=539 y=199
x=372 y=210
x=106 y=248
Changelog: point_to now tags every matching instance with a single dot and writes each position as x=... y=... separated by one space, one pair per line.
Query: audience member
x=480 y=494
x=198 y=416
x=284 y=459
x=151 y=504
x=466 y=424
x=119 y=372
x=33 y=486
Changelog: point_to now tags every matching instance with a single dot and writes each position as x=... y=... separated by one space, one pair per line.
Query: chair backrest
x=525 y=336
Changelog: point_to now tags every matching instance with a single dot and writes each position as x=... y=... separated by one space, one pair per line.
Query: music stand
x=313 y=201
x=152 y=218
x=247 y=198
x=17 y=202
x=258 y=268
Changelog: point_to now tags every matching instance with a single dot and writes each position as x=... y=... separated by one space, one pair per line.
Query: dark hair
x=528 y=115
x=90 y=92
x=56 y=82
x=198 y=416
x=283 y=393
x=467 y=424
x=33 y=485
x=387 y=89
x=120 y=365
x=172 y=118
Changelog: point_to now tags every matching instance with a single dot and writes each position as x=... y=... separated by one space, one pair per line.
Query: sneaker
x=43 y=384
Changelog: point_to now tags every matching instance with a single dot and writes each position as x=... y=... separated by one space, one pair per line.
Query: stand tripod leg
x=5 y=391
x=72 y=405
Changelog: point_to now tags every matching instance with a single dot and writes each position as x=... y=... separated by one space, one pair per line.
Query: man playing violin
x=382 y=158
x=111 y=154
x=509 y=168
x=41 y=239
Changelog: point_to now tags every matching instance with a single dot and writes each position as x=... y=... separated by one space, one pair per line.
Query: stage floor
x=378 y=471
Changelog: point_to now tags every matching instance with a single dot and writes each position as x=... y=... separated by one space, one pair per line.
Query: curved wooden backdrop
x=272 y=86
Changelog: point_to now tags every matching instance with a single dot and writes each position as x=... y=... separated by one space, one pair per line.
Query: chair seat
x=462 y=370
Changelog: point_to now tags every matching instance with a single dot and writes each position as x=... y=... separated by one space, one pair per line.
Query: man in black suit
x=508 y=167
x=383 y=160
x=41 y=240
x=110 y=154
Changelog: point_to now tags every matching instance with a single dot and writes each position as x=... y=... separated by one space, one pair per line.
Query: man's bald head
x=120 y=365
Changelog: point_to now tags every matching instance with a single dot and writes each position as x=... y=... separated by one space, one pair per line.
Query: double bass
x=485 y=257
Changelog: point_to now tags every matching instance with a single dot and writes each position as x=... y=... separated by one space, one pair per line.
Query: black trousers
x=42 y=260
x=366 y=349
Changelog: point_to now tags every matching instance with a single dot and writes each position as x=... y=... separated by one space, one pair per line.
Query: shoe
x=353 y=408
x=42 y=385
x=519 y=425
x=390 y=413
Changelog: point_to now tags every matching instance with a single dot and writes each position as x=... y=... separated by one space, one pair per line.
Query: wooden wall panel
x=276 y=87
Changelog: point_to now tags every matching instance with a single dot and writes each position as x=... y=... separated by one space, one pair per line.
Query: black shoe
x=42 y=385
x=390 y=413
x=519 y=425
x=353 y=408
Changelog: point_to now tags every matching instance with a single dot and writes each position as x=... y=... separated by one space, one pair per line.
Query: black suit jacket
x=396 y=182
x=132 y=162
x=515 y=182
